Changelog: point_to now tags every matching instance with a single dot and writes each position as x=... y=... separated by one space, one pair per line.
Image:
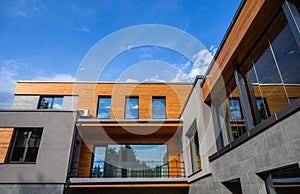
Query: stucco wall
x=54 y=151
x=198 y=111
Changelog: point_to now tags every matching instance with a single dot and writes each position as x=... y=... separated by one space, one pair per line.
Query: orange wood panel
x=250 y=23
x=126 y=185
x=88 y=93
x=5 y=141
x=85 y=161
x=274 y=95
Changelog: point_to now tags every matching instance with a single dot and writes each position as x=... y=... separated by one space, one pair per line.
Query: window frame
x=104 y=97
x=124 y=170
x=165 y=106
x=127 y=98
x=52 y=102
x=192 y=135
x=14 y=140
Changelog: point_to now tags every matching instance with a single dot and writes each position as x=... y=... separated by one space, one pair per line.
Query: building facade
x=235 y=130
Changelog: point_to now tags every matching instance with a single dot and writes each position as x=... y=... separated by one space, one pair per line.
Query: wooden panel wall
x=176 y=95
x=96 y=136
x=250 y=23
x=85 y=161
x=5 y=141
x=274 y=95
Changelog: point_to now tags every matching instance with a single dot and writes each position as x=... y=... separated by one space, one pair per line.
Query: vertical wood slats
x=5 y=140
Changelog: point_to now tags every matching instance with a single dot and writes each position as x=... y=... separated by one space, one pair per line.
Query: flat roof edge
x=99 y=82
x=81 y=120
x=126 y=180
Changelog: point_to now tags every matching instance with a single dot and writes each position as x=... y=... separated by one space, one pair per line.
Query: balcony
x=144 y=169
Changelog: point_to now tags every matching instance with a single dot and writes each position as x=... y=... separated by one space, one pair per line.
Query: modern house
x=234 y=130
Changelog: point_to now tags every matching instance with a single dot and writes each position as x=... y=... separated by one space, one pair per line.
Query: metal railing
x=146 y=169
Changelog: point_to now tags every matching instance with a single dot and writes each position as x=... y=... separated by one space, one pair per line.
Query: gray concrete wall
x=70 y=103
x=198 y=111
x=54 y=151
x=28 y=102
x=25 y=102
x=31 y=188
x=276 y=147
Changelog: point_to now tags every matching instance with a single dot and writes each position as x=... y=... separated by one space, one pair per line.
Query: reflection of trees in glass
x=122 y=161
x=44 y=104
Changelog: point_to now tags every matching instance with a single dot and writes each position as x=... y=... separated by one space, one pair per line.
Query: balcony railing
x=148 y=169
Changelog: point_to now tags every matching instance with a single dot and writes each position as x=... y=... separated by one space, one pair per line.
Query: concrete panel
x=25 y=102
x=54 y=151
x=70 y=103
x=31 y=188
x=276 y=147
x=197 y=110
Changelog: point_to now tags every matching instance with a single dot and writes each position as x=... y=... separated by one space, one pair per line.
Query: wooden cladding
x=251 y=21
x=5 y=140
x=88 y=93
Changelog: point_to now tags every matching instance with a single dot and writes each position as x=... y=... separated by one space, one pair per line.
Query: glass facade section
x=132 y=108
x=130 y=160
x=50 y=103
x=275 y=75
x=104 y=107
x=158 y=107
x=25 y=145
x=267 y=84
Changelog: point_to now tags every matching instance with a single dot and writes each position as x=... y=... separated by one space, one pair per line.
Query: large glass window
x=25 y=145
x=132 y=108
x=104 y=106
x=50 y=102
x=130 y=160
x=158 y=107
x=266 y=83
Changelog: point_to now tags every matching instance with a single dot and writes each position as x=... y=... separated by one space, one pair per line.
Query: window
x=132 y=108
x=158 y=107
x=130 y=160
x=48 y=102
x=262 y=108
x=25 y=145
x=234 y=186
x=104 y=106
x=192 y=134
x=263 y=85
x=235 y=109
x=282 y=180
x=194 y=146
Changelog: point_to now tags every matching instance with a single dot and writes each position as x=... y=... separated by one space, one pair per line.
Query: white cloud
x=180 y=77
x=7 y=82
x=9 y=74
x=131 y=80
x=82 y=29
x=19 y=12
x=57 y=77
x=155 y=78
x=213 y=50
x=202 y=61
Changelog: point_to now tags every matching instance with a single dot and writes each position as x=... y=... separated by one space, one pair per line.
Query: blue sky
x=48 y=39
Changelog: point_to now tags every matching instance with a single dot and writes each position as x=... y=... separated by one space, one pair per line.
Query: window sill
x=261 y=127
x=19 y=163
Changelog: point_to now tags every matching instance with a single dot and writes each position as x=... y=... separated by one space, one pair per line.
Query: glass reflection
x=132 y=108
x=104 y=106
x=127 y=160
